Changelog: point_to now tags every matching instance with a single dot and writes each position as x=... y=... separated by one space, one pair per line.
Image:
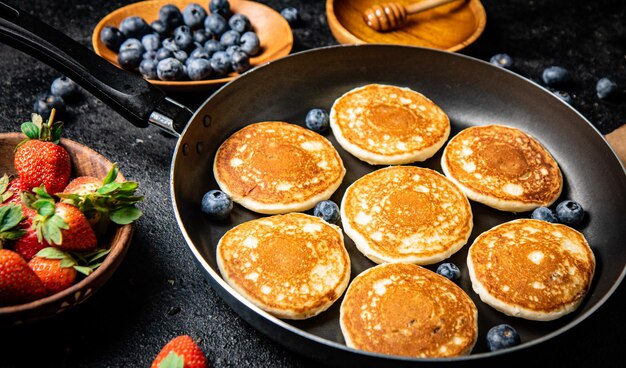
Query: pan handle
x=128 y=94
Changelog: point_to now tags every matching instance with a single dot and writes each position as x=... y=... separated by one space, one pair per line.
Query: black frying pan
x=470 y=91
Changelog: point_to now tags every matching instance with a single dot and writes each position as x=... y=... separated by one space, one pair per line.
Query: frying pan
x=470 y=91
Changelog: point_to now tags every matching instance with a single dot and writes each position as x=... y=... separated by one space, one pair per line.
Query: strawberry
x=28 y=245
x=83 y=185
x=180 y=352
x=18 y=283
x=16 y=187
x=39 y=159
x=10 y=217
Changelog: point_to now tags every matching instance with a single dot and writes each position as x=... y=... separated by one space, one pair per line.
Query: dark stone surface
x=158 y=293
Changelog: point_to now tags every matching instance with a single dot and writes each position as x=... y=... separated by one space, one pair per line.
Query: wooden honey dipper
x=388 y=16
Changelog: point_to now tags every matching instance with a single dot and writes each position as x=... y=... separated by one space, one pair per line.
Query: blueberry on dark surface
x=198 y=69
x=199 y=53
x=216 y=24
x=132 y=44
x=44 y=105
x=148 y=68
x=449 y=270
x=249 y=43
x=112 y=38
x=151 y=42
x=134 y=26
x=566 y=97
x=221 y=7
x=570 y=212
x=170 y=69
x=212 y=46
x=216 y=204
x=202 y=35
x=169 y=44
x=501 y=337
x=290 y=14
x=327 y=210
x=64 y=88
x=149 y=54
x=163 y=53
x=239 y=23
x=183 y=37
x=160 y=28
x=240 y=61
x=544 y=214
x=130 y=59
x=230 y=38
x=502 y=60
x=317 y=120
x=220 y=63
x=606 y=89
x=181 y=56
x=170 y=15
x=193 y=15
x=555 y=75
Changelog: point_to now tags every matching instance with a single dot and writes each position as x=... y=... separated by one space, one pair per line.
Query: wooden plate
x=449 y=27
x=85 y=161
x=273 y=30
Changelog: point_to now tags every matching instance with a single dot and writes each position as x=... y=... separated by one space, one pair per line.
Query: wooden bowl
x=85 y=161
x=449 y=27
x=273 y=30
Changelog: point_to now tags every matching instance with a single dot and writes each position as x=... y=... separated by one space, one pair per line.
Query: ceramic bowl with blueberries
x=183 y=44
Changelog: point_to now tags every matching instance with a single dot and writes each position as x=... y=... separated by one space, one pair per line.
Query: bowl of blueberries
x=183 y=45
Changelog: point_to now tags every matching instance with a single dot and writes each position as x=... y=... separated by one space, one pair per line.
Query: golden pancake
x=406 y=214
x=276 y=167
x=503 y=168
x=382 y=124
x=531 y=269
x=293 y=266
x=404 y=309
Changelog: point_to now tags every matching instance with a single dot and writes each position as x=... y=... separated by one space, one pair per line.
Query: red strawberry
x=83 y=185
x=10 y=190
x=181 y=352
x=39 y=159
x=56 y=273
x=28 y=245
x=18 y=283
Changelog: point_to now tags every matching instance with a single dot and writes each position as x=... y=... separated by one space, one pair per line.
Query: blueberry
x=449 y=270
x=64 y=88
x=148 y=68
x=220 y=63
x=151 y=41
x=230 y=50
x=216 y=24
x=170 y=45
x=212 y=46
x=112 y=38
x=198 y=69
x=160 y=28
x=570 y=213
x=249 y=43
x=170 y=69
x=170 y=15
x=290 y=15
x=202 y=35
x=502 y=60
x=134 y=26
x=239 y=23
x=130 y=59
x=606 y=88
x=564 y=96
x=193 y=15
x=149 y=55
x=317 y=120
x=183 y=37
x=221 y=7
x=44 y=105
x=181 y=56
x=544 y=214
x=216 y=204
x=240 y=61
x=199 y=53
x=501 y=337
x=132 y=43
x=230 y=38
x=555 y=75
x=163 y=53
x=327 y=210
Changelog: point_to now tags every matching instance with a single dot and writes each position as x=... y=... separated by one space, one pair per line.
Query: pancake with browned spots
x=531 y=269
x=276 y=167
x=502 y=167
x=383 y=124
x=406 y=214
x=404 y=309
x=293 y=266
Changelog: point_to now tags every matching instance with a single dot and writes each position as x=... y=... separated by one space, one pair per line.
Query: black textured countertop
x=158 y=293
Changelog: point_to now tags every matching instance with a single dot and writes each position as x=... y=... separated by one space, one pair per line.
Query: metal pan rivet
x=185 y=149
x=206 y=121
x=199 y=147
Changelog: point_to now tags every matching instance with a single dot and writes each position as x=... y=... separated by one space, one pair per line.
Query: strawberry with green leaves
x=39 y=159
x=10 y=217
x=180 y=352
x=18 y=283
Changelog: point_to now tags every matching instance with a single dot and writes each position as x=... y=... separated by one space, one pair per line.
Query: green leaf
x=44 y=208
x=30 y=129
x=172 y=360
x=111 y=175
x=129 y=186
x=10 y=217
x=4 y=210
x=98 y=254
x=58 y=221
x=68 y=262
x=14 y=234
x=52 y=233
x=52 y=253
x=84 y=270
x=42 y=193
x=37 y=119
x=4 y=183
x=125 y=215
x=108 y=188
x=27 y=199
x=55 y=132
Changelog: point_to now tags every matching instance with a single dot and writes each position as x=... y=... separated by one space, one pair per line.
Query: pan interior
x=471 y=93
